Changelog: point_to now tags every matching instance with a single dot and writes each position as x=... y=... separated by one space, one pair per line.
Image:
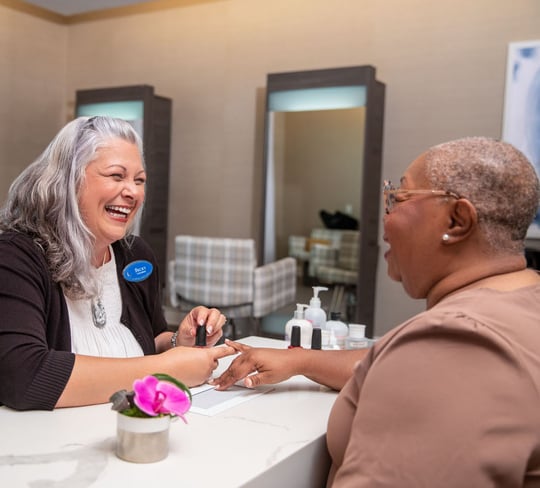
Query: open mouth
x=389 y=247
x=118 y=212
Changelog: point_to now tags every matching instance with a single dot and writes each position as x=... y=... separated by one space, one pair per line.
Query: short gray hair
x=43 y=200
x=496 y=178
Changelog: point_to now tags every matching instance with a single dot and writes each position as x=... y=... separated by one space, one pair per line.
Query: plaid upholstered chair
x=337 y=266
x=338 y=269
x=223 y=273
x=321 y=247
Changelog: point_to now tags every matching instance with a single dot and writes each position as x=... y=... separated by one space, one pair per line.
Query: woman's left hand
x=212 y=318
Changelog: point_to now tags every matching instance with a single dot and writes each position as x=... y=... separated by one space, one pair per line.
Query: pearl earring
x=445 y=237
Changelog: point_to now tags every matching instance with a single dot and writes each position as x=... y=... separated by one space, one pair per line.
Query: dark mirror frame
x=371 y=174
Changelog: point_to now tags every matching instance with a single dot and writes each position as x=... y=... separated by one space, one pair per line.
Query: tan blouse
x=450 y=398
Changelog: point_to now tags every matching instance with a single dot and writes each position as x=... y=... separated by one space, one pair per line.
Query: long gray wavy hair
x=496 y=178
x=43 y=200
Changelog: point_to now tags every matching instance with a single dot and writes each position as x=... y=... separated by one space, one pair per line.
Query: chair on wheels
x=223 y=273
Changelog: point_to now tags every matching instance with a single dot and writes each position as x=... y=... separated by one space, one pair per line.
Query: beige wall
x=443 y=63
x=32 y=88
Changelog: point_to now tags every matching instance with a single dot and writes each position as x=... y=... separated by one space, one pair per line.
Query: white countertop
x=274 y=440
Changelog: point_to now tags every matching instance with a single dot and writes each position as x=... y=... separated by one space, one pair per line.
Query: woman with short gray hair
x=451 y=397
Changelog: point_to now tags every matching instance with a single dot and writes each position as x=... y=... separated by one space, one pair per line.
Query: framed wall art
x=521 y=126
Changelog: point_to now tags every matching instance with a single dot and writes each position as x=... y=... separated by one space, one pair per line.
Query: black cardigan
x=35 y=340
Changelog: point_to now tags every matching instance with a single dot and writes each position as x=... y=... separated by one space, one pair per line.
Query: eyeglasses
x=394 y=195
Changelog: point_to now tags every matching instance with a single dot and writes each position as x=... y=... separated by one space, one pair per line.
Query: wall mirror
x=323 y=151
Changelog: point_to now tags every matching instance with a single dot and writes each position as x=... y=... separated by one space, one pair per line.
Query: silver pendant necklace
x=99 y=315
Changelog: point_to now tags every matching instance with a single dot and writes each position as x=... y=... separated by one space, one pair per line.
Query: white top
x=113 y=340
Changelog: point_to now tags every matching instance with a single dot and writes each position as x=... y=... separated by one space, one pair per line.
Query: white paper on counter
x=208 y=401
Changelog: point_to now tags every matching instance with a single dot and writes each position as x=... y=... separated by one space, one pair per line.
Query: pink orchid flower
x=155 y=397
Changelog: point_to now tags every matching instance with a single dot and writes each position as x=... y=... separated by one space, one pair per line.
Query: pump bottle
x=305 y=326
x=315 y=313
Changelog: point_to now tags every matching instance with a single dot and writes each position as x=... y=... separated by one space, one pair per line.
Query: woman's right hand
x=259 y=366
x=194 y=365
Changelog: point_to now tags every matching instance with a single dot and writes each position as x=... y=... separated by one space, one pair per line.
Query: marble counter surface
x=273 y=440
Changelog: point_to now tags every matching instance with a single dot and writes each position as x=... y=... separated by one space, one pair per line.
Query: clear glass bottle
x=338 y=331
x=357 y=338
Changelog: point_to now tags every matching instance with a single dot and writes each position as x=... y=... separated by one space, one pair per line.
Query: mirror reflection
x=323 y=150
x=318 y=167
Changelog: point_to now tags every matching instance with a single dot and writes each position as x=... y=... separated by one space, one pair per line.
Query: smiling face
x=413 y=230
x=112 y=192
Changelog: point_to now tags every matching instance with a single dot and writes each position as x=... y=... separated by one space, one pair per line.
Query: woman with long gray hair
x=79 y=293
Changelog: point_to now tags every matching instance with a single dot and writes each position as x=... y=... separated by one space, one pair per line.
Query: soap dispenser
x=315 y=313
x=305 y=326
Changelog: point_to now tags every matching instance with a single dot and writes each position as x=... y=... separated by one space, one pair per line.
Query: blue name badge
x=138 y=270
